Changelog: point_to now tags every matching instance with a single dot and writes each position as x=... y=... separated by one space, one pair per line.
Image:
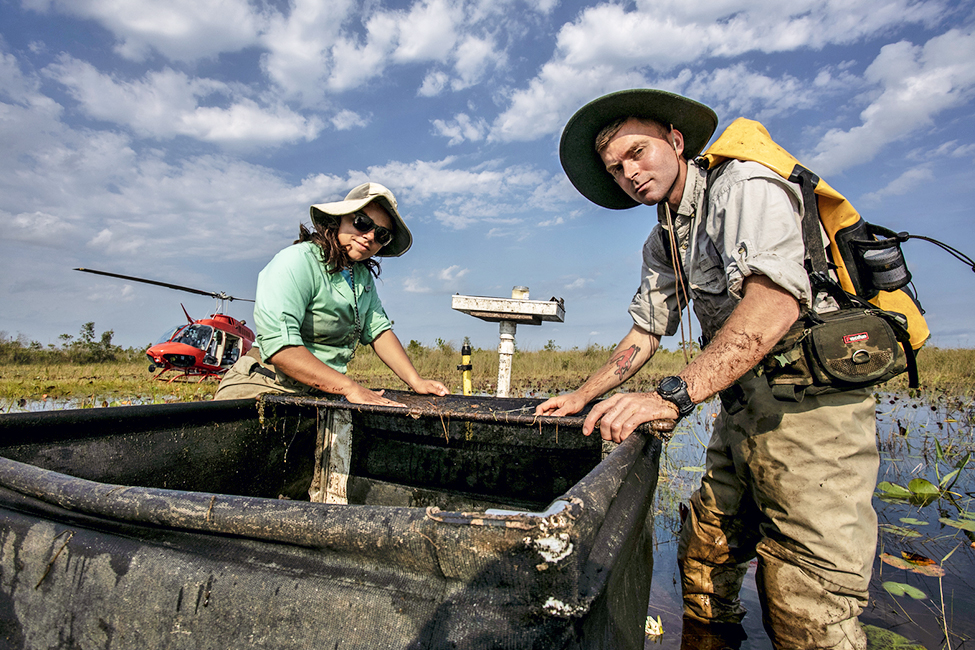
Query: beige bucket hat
x=357 y=199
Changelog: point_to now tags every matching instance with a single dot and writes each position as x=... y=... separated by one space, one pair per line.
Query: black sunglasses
x=364 y=223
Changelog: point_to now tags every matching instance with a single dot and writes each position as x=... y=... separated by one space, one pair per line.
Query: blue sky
x=183 y=141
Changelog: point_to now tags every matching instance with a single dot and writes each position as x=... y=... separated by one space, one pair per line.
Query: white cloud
x=413 y=284
x=461 y=128
x=346 y=119
x=428 y=31
x=339 y=57
x=299 y=46
x=34 y=227
x=914 y=84
x=433 y=84
x=473 y=57
x=447 y=280
x=354 y=64
x=181 y=30
x=452 y=273
x=907 y=182
x=738 y=91
x=548 y=223
x=108 y=291
x=550 y=98
x=168 y=103
x=610 y=48
x=961 y=151
x=61 y=186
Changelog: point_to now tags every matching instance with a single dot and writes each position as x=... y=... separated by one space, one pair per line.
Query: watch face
x=670 y=384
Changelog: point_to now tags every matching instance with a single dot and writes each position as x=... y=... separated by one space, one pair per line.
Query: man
x=788 y=482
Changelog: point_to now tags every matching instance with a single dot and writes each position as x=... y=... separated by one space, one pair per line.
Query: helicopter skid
x=188 y=375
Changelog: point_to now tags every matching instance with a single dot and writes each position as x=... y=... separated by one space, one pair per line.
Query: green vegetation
x=85 y=349
x=88 y=368
x=543 y=372
x=91 y=366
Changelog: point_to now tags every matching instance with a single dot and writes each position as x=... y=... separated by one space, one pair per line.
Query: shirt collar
x=694 y=186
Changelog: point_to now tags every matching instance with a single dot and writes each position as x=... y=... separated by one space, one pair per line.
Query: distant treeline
x=87 y=347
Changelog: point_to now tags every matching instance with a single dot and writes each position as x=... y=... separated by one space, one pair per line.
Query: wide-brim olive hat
x=577 y=149
x=359 y=198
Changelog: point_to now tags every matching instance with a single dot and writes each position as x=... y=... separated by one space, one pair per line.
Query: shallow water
x=906 y=431
x=64 y=403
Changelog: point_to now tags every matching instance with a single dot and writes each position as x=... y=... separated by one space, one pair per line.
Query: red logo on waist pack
x=856 y=338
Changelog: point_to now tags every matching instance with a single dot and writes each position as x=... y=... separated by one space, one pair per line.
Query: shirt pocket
x=709 y=275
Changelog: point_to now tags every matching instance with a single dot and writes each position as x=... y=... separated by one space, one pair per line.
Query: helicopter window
x=214 y=349
x=169 y=334
x=197 y=336
x=231 y=351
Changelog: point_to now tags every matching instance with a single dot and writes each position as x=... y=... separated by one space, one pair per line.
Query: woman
x=316 y=301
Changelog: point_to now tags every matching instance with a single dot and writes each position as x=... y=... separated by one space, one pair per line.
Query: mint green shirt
x=299 y=303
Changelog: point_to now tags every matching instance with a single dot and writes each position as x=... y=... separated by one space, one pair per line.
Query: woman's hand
x=359 y=394
x=430 y=387
x=391 y=351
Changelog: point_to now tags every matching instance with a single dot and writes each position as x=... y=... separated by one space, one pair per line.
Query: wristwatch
x=674 y=390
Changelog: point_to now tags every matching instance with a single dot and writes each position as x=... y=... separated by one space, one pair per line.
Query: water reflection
x=64 y=403
x=909 y=434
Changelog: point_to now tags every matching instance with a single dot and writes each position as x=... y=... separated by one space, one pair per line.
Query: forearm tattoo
x=624 y=361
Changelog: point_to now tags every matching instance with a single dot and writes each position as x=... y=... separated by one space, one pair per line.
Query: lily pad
x=932 y=570
x=899 y=530
x=912 y=521
x=901 y=589
x=923 y=487
x=892 y=490
x=880 y=638
x=967 y=524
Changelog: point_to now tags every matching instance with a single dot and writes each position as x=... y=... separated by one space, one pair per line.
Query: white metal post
x=505 y=351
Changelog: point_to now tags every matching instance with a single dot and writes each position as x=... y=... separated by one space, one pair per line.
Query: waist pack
x=856 y=346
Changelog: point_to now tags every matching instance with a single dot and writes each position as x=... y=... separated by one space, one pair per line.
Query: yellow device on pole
x=466 y=367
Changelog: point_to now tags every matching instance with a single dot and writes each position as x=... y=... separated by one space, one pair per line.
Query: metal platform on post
x=509 y=312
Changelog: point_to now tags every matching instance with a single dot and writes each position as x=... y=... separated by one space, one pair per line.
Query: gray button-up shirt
x=741 y=219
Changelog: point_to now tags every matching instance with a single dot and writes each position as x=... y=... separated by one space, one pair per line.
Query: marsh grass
x=95 y=384
x=537 y=372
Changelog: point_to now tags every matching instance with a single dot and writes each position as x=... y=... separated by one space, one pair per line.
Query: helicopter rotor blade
x=212 y=294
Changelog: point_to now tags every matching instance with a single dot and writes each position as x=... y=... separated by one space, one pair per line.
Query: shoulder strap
x=812 y=240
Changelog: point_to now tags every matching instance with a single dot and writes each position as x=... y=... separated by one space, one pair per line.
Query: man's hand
x=562 y=405
x=619 y=415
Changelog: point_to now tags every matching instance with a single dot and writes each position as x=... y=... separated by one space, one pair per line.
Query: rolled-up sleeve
x=284 y=290
x=654 y=308
x=757 y=216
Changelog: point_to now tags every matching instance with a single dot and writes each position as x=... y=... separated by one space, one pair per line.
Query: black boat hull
x=470 y=524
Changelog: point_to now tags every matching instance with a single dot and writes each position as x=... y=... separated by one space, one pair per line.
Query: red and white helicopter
x=198 y=348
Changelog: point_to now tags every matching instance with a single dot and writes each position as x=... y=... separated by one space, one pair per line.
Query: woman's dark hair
x=334 y=257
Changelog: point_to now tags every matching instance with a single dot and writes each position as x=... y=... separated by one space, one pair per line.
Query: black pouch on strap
x=856 y=346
